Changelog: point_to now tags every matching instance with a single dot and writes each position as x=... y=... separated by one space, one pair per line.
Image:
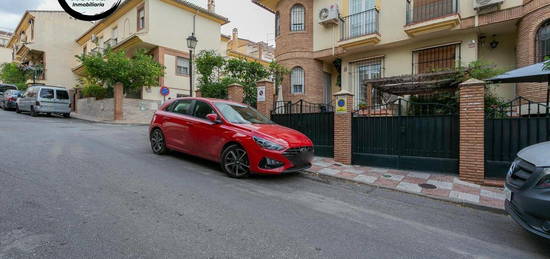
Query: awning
x=416 y=84
x=529 y=74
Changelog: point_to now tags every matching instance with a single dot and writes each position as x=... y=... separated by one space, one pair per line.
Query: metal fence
x=300 y=107
x=511 y=127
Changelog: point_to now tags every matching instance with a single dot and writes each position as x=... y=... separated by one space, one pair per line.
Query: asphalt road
x=73 y=189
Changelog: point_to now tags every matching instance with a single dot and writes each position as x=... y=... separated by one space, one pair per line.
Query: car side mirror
x=213 y=118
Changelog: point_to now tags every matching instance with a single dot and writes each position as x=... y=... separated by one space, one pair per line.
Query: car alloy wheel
x=158 y=143
x=235 y=162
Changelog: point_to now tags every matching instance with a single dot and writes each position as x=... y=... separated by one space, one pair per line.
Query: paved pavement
x=74 y=189
x=439 y=186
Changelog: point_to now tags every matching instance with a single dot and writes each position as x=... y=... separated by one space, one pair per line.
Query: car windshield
x=241 y=114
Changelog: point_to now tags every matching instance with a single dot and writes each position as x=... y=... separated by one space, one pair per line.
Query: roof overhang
x=23 y=25
x=269 y=5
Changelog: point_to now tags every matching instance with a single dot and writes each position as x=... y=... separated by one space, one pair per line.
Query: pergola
x=416 y=84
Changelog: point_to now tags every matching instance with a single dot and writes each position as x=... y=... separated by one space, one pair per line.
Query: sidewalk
x=439 y=186
x=94 y=119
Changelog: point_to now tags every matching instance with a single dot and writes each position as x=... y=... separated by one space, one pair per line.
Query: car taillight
x=12 y=99
x=37 y=103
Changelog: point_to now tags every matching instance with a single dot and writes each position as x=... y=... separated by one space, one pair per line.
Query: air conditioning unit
x=329 y=15
x=478 y=4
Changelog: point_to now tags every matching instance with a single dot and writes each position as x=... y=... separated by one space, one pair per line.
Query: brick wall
x=266 y=106
x=296 y=49
x=342 y=130
x=536 y=12
x=235 y=93
x=472 y=131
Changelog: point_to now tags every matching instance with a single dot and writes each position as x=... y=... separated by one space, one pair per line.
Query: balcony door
x=362 y=17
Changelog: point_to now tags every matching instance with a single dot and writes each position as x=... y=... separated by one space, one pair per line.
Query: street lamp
x=191 y=44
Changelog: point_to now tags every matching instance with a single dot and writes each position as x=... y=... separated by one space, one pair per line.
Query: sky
x=253 y=22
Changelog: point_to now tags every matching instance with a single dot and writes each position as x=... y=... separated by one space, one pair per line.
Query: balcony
x=110 y=43
x=424 y=16
x=360 y=29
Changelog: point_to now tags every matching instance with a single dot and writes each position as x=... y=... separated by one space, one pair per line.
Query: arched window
x=277 y=24
x=297 y=18
x=297 y=79
x=543 y=41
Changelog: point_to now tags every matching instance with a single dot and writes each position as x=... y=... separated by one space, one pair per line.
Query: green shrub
x=96 y=91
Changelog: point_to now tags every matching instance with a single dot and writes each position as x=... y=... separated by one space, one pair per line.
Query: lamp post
x=191 y=44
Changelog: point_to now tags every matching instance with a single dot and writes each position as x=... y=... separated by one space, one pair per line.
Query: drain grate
x=427 y=186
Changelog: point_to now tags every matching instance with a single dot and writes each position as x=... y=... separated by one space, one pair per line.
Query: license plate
x=508 y=194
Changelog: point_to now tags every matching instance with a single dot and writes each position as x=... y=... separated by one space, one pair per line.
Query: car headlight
x=264 y=143
x=545 y=182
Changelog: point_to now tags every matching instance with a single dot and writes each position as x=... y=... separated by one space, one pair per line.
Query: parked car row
x=40 y=99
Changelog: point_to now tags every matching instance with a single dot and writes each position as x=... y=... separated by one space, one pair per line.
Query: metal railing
x=516 y=108
x=359 y=24
x=300 y=106
x=437 y=59
x=402 y=107
x=424 y=10
x=111 y=43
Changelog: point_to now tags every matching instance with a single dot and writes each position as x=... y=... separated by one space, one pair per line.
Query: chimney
x=260 y=50
x=211 y=6
x=235 y=39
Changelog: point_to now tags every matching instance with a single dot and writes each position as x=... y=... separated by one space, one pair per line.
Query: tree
x=115 y=67
x=278 y=72
x=216 y=73
x=12 y=73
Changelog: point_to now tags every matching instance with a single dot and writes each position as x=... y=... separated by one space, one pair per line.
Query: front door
x=206 y=135
x=176 y=125
x=328 y=89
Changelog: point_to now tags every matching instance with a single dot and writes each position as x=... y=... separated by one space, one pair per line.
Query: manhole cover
x=427 y=186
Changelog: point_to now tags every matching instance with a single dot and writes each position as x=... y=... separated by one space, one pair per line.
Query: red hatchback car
x=237 y=136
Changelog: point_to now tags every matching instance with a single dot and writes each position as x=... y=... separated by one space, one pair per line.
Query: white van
x=45 y=99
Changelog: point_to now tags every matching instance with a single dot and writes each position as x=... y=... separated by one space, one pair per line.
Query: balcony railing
x=424 y=10
x=111 y=43
x=359 y=24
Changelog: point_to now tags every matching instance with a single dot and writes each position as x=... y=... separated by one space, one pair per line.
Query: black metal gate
x=314 y=120
x=511 y=127
x=407 y=135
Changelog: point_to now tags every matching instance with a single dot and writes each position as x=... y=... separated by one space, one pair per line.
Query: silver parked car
x=528 y=189
x=46 y=100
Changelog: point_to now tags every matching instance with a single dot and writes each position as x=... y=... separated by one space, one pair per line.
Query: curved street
x=73 y=189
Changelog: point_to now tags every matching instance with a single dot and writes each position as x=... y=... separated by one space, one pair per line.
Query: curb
x=326 y=179
x=88 y=119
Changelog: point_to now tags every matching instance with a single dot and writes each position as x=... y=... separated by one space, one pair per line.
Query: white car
x=46 y=100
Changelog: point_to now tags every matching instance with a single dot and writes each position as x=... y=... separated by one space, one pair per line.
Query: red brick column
x=198 y=93
x=266 y=106
x=119 y=97
x=472 y=131
x=235 y=92
x=342 y=127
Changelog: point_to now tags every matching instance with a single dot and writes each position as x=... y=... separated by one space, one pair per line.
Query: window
x=543 y=41
x=436 y=59
x=46 y=93
x=141 y=18
x=180 y=107
x=202 y=109
x=241 y=114
x=297 y=80
x=365 y=70
x=84 y=50
x=114 y=36
x=62 y=95
x=277 y=24
x=297 y=18
x=182 y=66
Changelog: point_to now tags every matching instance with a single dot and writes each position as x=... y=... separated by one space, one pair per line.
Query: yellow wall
x=504 y=57
x=398 y=60
x=5 y=55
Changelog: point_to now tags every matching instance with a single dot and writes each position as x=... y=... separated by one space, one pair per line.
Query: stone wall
x=135 y=110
